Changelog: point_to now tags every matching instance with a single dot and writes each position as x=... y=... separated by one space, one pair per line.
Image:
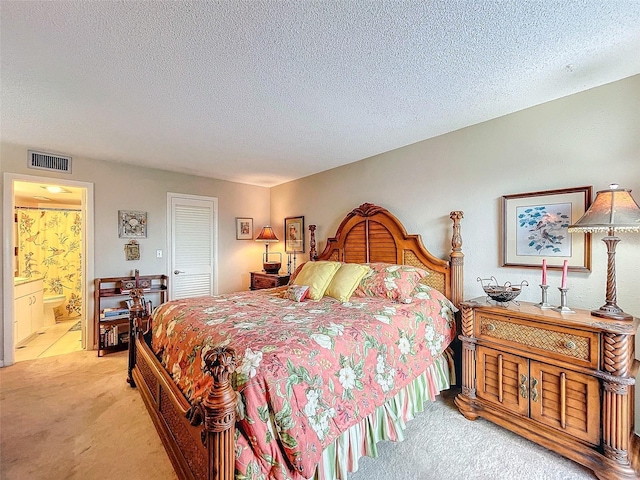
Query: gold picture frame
x=132 y=250
x=294 y=234
x=535 y=227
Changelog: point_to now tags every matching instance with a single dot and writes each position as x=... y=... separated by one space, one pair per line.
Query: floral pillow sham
x=297 y=293
x=396 y=282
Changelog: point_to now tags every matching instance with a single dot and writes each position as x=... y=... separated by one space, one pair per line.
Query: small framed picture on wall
x=294 y=234
x=244 y=228
x=132 y=250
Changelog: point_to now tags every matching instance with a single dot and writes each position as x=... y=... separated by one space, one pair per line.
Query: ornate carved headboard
x=371 y=233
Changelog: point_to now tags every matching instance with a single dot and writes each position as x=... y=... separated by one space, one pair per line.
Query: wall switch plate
x=158 y=253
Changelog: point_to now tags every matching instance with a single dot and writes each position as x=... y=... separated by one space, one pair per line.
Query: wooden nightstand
x=563 y=381
x=260 y=280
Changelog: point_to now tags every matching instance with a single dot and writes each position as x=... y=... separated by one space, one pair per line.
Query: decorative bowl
x=501 y=293
x=271 y=267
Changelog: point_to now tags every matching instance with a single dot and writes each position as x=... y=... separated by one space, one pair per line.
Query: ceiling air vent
x=48 y=161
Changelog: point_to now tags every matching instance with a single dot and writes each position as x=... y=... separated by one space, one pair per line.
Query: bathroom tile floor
x=54 y=340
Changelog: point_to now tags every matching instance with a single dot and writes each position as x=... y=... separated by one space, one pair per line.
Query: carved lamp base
x=612 y=311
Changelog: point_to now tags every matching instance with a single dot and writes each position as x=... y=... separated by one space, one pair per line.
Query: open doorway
x=50 y=268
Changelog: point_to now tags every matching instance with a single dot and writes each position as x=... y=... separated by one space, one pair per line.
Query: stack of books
x=114 y=313
x=112 y=337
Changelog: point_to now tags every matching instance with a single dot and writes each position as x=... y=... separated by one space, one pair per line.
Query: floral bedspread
x=306 y=371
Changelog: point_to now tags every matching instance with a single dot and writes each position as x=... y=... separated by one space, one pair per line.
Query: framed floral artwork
x=294 y=234
x=244 y=228
x=535 y=227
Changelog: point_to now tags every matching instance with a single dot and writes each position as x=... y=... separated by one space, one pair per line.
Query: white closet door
x=193 y=239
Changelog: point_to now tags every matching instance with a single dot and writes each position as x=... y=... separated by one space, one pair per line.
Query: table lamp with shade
x=267 y=236
x=613 y=210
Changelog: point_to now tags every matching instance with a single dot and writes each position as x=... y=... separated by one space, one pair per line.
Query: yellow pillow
x=346 y=280
x=317 y=275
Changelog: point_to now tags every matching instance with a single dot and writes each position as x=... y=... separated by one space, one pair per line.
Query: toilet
x=50 y=303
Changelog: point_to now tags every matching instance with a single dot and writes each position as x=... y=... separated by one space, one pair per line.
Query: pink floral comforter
x=306 y=371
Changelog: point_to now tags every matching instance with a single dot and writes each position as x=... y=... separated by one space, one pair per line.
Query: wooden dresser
x=260 y=280
x=565 y=381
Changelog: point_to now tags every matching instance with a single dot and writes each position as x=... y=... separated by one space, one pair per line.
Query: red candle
x=565 y=268
x=544 y=271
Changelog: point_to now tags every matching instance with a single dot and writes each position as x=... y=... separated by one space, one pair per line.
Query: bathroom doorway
x=50 y=269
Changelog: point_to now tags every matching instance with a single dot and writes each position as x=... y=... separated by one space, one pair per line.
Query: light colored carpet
x=75 y=417
x=467 y=450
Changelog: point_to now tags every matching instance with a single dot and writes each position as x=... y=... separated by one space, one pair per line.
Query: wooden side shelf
x=565 y=382
x=112 y=335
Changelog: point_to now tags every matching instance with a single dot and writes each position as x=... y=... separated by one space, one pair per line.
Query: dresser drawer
x=573 y=346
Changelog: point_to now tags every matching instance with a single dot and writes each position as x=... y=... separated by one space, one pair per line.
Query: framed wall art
x=294 y=235
x=535 y=227
x=132 y=250
x=132 y=224
x=244 y=228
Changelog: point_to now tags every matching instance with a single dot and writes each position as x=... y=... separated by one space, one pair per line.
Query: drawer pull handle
x=534 y=389
x=570 y=344
x=563 y=400
x=500 y=388
x=523 y=386
x=491 y=327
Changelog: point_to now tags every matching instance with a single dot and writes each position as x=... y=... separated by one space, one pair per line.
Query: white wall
x=125 y=187
x=591 y=138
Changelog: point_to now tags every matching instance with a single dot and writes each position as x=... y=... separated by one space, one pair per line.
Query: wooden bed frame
x=200 y=439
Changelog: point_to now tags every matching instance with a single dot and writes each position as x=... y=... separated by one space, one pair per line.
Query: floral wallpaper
x=50 y=246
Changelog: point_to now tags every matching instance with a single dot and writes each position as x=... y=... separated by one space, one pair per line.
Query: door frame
x=170 y=266
x=7 y=258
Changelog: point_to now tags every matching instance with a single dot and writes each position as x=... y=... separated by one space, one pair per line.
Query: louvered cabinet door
x=503 y=378
x=566 y=400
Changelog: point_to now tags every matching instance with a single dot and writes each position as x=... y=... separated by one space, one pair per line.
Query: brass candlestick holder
x=544 y=305
x=562 y=308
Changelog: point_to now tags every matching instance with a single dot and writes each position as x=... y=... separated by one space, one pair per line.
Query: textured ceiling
x=263 y=92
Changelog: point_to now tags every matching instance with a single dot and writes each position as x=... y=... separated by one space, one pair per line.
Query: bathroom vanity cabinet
x=112 y=333
x=28 y=309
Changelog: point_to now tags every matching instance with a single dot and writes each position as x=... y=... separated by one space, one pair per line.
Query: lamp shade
x=267 y=235
x=612 y=210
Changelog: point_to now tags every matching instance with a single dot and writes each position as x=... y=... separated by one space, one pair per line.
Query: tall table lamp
x=613 y=210
x=267 y=236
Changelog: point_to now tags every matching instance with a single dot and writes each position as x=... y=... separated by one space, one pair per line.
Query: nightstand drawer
x=569 y=345
x=261 y=280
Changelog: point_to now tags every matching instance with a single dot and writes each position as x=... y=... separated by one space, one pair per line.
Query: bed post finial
x=457 y=260
x=219 y=407
x=313 y=254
